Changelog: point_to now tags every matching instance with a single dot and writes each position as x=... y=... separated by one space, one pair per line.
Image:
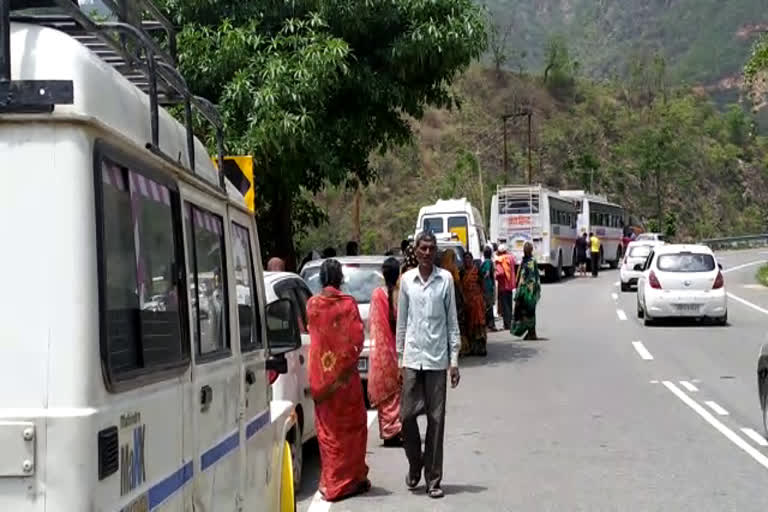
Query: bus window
x=518 y=205
x=433 y=224
x=248 y=317
x=459 y=225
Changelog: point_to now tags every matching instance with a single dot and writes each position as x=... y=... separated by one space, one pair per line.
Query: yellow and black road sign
x=239 y=171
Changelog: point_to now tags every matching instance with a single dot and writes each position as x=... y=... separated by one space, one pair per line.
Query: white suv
x=681 y=281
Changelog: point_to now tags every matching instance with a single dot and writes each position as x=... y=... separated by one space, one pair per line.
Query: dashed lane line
x=621 y=314
x=716 y=407
x=747 y=303
x=318 y=504
x=717 y=424
x=642 y=351
x=687 y=385
x=615 y=296
x=757 y=438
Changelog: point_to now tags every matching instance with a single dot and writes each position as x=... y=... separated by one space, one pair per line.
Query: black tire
x=648 y=321
x=558 y=270
x=723 y=320
x=640 y=312
x=625 y=287
x=297 y=456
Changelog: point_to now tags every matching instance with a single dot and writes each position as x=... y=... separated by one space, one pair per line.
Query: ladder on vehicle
x=128 y=45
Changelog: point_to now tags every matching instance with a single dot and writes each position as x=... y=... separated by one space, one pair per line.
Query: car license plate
x=687 y=308
x=362 y=364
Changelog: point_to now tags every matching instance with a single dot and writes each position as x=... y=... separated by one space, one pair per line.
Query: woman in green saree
x=528 y=294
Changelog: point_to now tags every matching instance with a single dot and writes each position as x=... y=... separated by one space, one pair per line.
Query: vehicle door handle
x=301 y=359
x=206 y=396
x=250 y=377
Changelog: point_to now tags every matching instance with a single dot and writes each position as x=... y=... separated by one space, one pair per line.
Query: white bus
x=134 y=376
x=606 y=219
x=533 y=213
x=454 y=217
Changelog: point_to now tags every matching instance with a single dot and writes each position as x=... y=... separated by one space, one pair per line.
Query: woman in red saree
x=384 y=375
x=336 y=340
x=474 y=307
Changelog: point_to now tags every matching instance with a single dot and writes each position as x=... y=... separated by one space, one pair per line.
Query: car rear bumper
x=687 y=304
x=629 y=276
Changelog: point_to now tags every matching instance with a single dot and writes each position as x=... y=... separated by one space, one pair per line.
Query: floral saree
x=384 y=374
x=336 y=340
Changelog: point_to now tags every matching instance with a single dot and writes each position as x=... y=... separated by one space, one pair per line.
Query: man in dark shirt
x=581 y=254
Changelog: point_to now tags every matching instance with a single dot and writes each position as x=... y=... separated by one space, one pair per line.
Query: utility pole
x=480 y=179
x=506 y=158
x=530 y=161
x=357 y=235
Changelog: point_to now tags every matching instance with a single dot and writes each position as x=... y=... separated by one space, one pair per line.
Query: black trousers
x=595 y=263
x=424 y=390
x=506 y=309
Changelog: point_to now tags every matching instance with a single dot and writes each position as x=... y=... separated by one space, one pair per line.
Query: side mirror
x=639 y=267
x=277 y=363
x=282 y=327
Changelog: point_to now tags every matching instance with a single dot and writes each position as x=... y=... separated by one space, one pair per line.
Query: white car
x=293 y=386
x=636 y=253
x=681 y=281
x=362 y=275
x=650 y=237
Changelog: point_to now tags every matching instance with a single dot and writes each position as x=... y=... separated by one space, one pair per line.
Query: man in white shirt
x=428 y=344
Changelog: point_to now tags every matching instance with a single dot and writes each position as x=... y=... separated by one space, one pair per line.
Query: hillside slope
x=713 y=170
x=703 y=40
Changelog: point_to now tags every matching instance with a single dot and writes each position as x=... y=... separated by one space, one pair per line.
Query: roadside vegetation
x=762 y=275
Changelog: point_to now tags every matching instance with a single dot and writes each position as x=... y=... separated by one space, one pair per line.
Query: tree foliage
x=311 y=88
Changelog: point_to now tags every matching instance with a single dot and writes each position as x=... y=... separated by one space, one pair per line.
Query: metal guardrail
x=737 y=242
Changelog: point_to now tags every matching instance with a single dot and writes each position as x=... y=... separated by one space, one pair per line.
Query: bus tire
x=615 y=263
x=570 y=270
x=559 y=268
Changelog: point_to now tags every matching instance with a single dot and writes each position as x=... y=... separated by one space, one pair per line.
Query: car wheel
x=648 y=321
x=297 y=457
x=625 y=287
x=765 y=416
x=640 y=312
x=723 y=320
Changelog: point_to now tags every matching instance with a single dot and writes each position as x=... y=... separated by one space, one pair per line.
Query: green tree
x=312 y=88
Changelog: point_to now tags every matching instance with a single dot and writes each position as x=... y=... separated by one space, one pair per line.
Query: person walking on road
x=505 y=275
x=336 y=340
x=488 y=275
x=582 y=245
x=474 y=307
x=528 y=294
x=384 y=385
x=428 y=343
x=594 y=246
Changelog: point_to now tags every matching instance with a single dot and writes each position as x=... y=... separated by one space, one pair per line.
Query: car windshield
x=641 y=251
x=686 y=262
x=359 y=280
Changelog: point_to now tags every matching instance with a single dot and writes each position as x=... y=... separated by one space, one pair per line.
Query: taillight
x=655 y=284
x=272 y=376
x=719 y=281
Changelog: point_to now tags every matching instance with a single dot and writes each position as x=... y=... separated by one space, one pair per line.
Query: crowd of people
x=431 y=311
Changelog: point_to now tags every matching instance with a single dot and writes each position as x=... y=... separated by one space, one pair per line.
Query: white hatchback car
x=681 y=281
x=293 y=386
x=636 y=253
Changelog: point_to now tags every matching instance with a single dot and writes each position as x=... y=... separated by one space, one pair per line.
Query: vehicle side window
x=247 y=314
x=287 y=290
x=303 y=293
x=141 y=261
x=648 y=261
x=207 y=276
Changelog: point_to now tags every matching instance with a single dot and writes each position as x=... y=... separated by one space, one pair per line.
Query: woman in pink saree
x=384 y=375
x=336 y=340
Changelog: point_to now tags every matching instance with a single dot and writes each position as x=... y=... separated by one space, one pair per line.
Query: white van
x=448 y=217
x=134 y=375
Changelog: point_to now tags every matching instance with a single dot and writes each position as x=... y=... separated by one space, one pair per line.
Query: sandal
x=411 y=482
x=435 y=493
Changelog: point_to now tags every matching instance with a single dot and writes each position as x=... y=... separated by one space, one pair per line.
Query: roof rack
x=127 y=45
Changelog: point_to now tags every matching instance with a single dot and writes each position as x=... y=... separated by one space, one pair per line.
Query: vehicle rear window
x=518 y=205
x=433 y=224
x=686 y=262
x=641 y=251
x=359 y=280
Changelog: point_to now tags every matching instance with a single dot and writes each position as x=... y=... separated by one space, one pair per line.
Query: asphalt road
x=590 y=419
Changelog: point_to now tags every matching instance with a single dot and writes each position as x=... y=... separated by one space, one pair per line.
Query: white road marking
x=654 y=382
x=757 y=438
x=642 y=351
x=319 y=504
x=371 y=418
x=745 y=265
x=747 y=303
x=687 y=385
x=615 y=296
x=718 y=425
x=621 y=314
x=715 y=407
x=617 y=283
